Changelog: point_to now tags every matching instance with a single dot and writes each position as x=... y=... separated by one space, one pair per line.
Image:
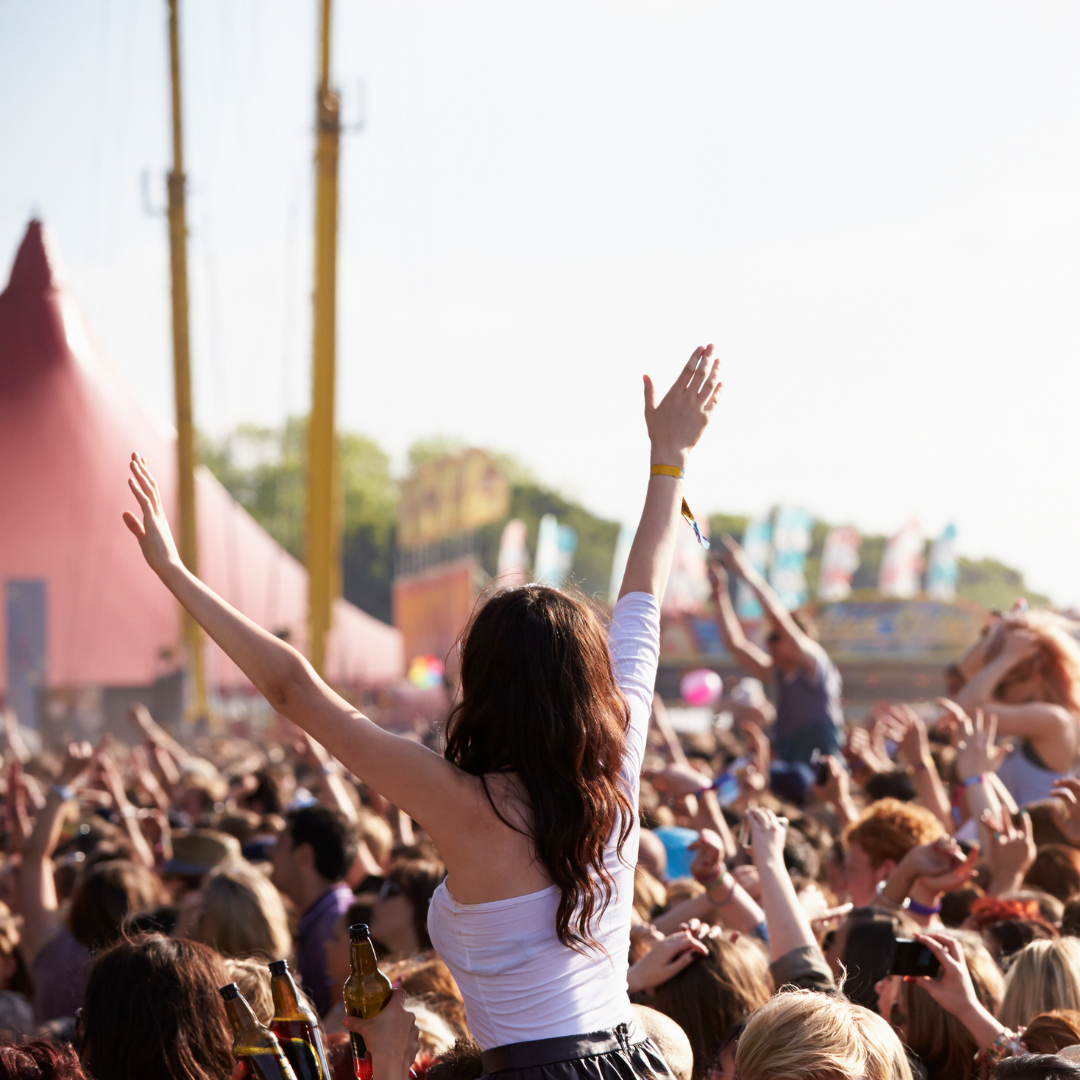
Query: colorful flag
x=513 y=553
x=555 y=547
x=756 y=542
x=618 y=563
x=839 y=561
x=791 y=542
x=943 y=574
x=902 y=563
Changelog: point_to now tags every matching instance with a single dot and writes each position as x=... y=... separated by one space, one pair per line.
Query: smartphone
x=914 y=958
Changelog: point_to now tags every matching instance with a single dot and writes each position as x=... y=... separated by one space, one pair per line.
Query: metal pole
x=323 y=541
x=185 y=443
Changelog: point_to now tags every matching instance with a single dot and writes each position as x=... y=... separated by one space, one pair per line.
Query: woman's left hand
x=392 y=1038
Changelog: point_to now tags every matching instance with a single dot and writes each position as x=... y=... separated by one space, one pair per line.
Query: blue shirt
x=316 y=925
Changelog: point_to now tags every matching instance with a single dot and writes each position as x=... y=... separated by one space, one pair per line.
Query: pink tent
x=67 y=428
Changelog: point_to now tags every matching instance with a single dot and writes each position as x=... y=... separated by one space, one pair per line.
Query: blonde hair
x=1044 y=975
x=805 y=1035
x=253 y=978
x=243 y=915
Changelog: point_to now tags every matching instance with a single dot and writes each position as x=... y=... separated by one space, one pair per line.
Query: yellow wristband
x=668 y=470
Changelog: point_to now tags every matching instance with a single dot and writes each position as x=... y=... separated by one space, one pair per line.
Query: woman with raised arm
x=1026 y=671
x=534 y=804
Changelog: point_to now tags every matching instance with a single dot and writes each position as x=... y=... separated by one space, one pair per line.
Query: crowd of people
x=558 y=884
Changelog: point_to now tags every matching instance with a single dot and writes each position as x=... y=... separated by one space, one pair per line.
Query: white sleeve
x=634 y=641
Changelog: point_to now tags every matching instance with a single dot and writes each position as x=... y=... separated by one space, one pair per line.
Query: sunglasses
x=388 y=889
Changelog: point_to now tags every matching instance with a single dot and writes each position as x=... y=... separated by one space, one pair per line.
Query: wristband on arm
x=680 y=474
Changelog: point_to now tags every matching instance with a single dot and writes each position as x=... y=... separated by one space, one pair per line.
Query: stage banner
x=512 y=568
x=791 y=542
x=902 y=563
x=757 y=543
x=839 y=561
x=943 y=573
x=618 y=563
x=555 y=547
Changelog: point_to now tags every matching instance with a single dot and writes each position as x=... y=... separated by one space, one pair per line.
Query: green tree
x=596 y=536
x=263 y=469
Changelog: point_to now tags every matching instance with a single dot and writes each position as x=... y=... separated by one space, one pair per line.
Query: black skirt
x=620 y=1053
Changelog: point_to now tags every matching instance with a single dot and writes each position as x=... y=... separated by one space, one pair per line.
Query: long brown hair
x=152 y=1009
x=539 y=700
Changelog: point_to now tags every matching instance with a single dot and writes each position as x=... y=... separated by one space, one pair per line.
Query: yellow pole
x=185 y=444
x=323 y=546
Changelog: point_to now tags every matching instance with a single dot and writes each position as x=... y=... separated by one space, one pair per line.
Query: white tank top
x=519 y=982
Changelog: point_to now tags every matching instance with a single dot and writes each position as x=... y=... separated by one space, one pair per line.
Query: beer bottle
x=367 y=991
x=296 y=1027
x=254 y=1046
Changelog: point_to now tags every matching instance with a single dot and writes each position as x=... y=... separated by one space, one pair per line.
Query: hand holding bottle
x=392 y=1038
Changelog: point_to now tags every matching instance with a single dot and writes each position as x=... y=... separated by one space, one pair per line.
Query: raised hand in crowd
x=913 y=748
x=1066 y=794
x=924 y=873
x=1010 y=850
x=16 y=817
x=954 y=990
x=836 y=790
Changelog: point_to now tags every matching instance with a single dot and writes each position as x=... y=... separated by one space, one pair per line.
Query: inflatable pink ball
x=701 y=687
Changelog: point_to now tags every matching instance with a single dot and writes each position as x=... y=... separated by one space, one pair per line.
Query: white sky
x=873 y=210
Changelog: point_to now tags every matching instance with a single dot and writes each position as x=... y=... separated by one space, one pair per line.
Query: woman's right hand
x=677 y=423
x=153 y=532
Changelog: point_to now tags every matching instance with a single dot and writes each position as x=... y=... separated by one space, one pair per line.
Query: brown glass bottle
x=366 y=992
x=254 y=1046
x=296 y=1026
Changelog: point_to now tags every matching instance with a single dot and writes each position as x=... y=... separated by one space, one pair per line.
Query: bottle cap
x=279 y=967
x=359 y=932
x=229 y=992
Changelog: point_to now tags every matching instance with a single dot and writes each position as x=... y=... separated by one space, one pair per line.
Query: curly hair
x=889 y=829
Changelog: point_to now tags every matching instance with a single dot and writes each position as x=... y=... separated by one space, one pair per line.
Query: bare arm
x=735 y=559
x=667 y=732
x=411 y=776
x=675 y=425
x=746 y=654
x=40 y=907
x=788 y=923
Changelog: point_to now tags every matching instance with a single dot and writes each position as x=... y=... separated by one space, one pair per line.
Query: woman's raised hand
x=153 y=533
x=676 y=424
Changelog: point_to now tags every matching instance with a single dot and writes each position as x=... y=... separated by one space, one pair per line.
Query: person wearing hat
x=195 y=853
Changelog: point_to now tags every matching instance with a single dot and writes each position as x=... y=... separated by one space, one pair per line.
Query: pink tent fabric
x=67 y=428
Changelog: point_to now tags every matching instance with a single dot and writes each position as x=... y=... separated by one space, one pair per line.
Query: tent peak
x=37 y=265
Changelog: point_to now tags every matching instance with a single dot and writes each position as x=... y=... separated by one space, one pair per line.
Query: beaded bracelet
x=1007 y=1044
x=714 y=877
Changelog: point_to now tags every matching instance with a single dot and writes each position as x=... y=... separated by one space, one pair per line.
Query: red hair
x=40 y=1059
